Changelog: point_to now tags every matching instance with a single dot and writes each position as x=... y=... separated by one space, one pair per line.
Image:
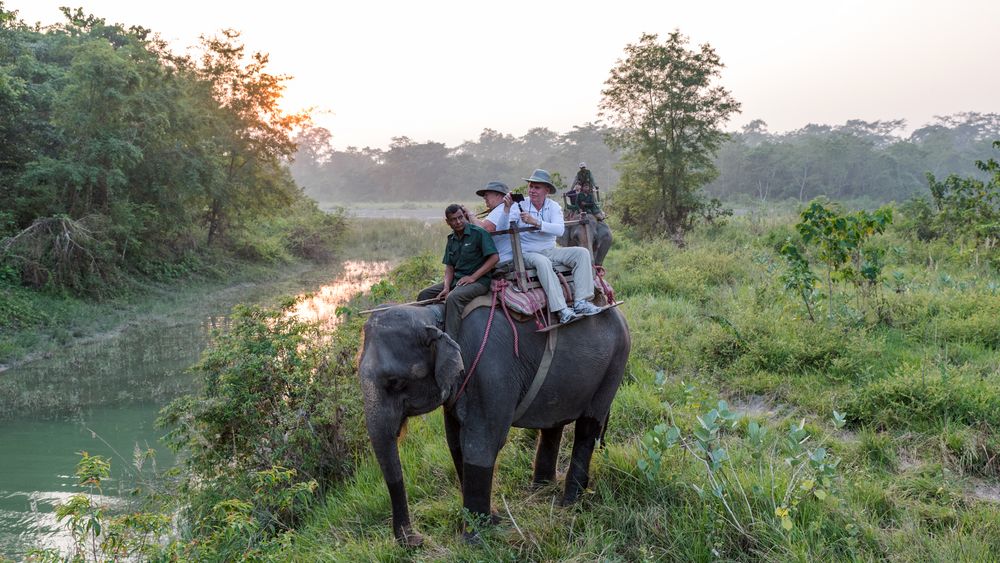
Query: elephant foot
x=407 y=537
x=478 y=522
x=472 y=538
x=539 y=484
x=569 y=499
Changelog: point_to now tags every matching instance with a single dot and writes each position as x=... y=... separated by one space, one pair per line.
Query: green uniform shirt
x=580 y=201
x=468 y=253
x=587 y=203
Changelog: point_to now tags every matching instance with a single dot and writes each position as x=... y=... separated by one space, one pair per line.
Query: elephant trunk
x=383 y=435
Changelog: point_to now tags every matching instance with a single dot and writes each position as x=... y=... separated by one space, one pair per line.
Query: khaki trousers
x=576 y=258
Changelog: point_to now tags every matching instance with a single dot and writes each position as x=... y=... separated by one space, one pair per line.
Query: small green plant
x=839 y=241
x=810 y=472
x=100 y=535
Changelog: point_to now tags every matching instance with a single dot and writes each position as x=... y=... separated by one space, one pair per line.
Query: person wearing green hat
x=540 y=250
x=584 y=176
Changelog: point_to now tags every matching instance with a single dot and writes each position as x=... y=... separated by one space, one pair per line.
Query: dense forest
x=119 y=158
x=856 y=160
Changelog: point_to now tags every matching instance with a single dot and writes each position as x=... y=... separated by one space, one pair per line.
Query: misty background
x=870 y=161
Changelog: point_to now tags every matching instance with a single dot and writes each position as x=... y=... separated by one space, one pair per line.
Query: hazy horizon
x=445 y=71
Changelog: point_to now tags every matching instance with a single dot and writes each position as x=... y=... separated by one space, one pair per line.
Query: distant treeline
x=411 y=171
x=118 y=156
x=857 y=160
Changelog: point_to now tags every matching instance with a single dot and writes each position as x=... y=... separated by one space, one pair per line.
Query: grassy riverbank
x=744 y=429
x=905 y=470
x=33 y=322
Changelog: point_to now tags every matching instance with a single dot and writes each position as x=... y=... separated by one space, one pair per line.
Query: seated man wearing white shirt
x=539 y=247
x=498 y=200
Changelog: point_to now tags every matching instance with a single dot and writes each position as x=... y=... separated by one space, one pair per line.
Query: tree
x=253 y=137
x=667 y=117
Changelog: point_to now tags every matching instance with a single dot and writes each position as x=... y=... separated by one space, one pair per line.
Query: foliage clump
x=277 y=419
x=840 y=241
x=961 y=209
x=121 y=159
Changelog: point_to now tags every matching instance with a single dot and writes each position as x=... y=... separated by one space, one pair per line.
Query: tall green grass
x=917 y=388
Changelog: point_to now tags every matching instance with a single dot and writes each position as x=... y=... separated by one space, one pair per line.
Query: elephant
x=408 y=366
x=590 y=229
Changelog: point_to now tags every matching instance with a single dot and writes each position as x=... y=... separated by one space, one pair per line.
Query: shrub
x=314 y=235
x=276 y=419
x=64 y=253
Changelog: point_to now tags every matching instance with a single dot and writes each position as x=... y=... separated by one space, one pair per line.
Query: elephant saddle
x=532 y=301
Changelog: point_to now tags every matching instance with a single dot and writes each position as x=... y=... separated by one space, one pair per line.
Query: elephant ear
x=448 y=366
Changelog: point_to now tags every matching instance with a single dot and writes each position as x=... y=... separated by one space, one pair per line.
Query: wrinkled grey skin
x=409 y=367
x=596 y=231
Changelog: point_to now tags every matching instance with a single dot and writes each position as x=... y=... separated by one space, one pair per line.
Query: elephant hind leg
x=588 y=431
x=546 y=455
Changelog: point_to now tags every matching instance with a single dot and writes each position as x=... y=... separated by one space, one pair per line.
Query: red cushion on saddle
x=524 y=302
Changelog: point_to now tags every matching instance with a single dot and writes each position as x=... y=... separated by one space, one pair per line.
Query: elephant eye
x=395 y=384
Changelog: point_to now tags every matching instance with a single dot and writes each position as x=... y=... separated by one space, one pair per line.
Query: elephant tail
x=604 y=428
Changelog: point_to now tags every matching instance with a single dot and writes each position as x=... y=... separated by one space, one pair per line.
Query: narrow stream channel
x=103 y=397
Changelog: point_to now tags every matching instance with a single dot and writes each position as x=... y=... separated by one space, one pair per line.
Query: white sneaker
x=585 y=308
x=566 y=315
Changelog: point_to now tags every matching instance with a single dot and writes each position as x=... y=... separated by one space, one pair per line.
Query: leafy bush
x=278 y=417
x=256 y=247
x=100 y=534
x=417 y=272
x=17 y=309
x=961 y=209
x=841 y=242
x=969 y=205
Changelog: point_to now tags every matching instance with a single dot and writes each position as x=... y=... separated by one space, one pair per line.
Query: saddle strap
x=540 y=375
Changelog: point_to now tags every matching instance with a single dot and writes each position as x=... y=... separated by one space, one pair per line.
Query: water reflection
x=358 y=276
x=103 y=397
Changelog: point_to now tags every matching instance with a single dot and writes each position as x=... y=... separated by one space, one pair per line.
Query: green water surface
x=103 y=397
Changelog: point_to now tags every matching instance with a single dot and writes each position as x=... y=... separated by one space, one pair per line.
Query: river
x=102 y=396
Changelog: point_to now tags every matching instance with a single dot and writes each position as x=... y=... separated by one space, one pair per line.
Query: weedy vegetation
x=777 y=405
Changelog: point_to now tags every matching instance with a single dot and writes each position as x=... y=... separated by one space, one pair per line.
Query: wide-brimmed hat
x=583 y=165
x=542 y=177
x=498 y=187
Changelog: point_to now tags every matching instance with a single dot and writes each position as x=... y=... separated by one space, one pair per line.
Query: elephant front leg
x=546 y=456
x=588 y=430
x=452 y=432
x=477 y=492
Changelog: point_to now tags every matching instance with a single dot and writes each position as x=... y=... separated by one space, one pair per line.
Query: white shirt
x=552 y=224
x=501 y=220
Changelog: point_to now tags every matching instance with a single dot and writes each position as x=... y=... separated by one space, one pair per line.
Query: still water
x=103 y=397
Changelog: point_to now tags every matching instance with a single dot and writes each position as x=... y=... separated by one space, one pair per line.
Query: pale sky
x=444 y=70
